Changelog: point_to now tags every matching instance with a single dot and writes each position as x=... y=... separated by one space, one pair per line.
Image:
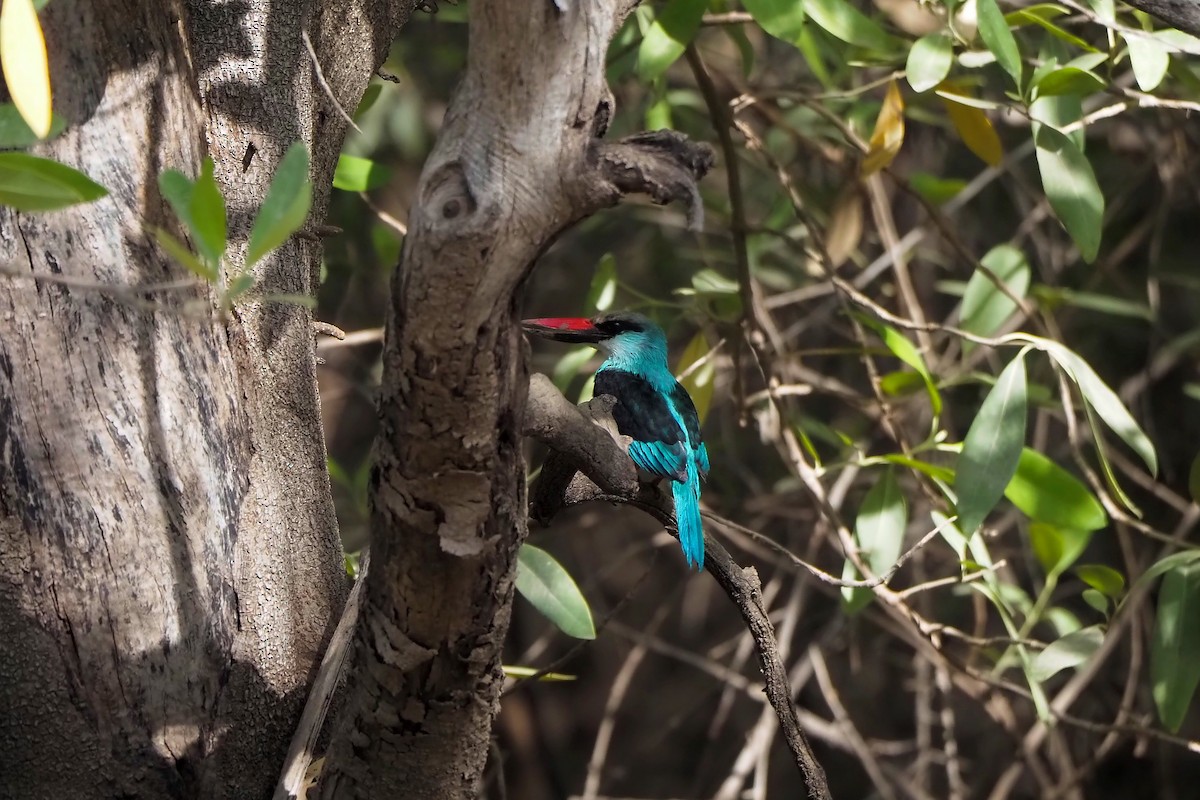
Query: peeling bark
x=517 y=162
x=169 y=558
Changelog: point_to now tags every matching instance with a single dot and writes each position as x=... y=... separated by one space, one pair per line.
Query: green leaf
x=1101 y=399
x=935 y=471
x=1165 y=565
x=179 y=251
x=1046 y=492
x=994 y=31
x=1069 y=651
x=368 y=99
x=984 y=307
x=1072 y=190
x=285 y=207
x=709 y=281
x=239 y=286
x=1069 y=80
x=603 y=290
x=1103 y=579
x=1175 y=649
x=668 y=36
x=1094 y=301
x=569 y=365
x=208 y=215
x=934 y=189
x=1041 y=15
x=783 y=19
x=16 y=133
x=929 y=61
x=1149 y=60
x=1096 y=600
x=529 y=672
x=552 y=591
x=699 y=383
x=845 y=22
x=992 y=447
x=354 y=174
x=1057 y=548
x=31 y=183
x=904 y=350
x=879 y=531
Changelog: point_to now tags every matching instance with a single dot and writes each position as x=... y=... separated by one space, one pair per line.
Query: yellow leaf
x=889 y=132
x=698 y=380
x=23 y=61
x=973 y=126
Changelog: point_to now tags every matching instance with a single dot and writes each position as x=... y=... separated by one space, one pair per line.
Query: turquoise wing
x=668 y=460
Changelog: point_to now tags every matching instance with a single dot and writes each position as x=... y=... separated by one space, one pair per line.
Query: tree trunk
x=169 y=559
x=518 y=160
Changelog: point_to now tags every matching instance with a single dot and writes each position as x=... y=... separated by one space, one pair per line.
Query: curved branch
x=560 y=486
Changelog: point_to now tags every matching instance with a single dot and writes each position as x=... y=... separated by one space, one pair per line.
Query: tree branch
x=560 y=486
x=1181 y=14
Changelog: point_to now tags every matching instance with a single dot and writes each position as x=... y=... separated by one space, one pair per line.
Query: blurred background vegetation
x=885 y=167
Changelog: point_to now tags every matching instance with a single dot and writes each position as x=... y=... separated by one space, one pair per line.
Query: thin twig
x=312 y=54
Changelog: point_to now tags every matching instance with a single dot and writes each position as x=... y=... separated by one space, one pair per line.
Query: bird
x=652 y=408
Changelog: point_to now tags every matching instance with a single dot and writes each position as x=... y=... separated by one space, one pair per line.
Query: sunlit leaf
x=847 y=23
x=528 y=672
x=285 y=207
x=783 y=19
x=355 y=174
x=904 y=350
x=973 y=126
x=1101 y=398
x=550 y=588
x=888 y=136
x=1175 y=647
x=1071 y=189
x=1149 y=60
x=929 y=61
x=1069 y=651
x=603 y=290
x=30 y=183
x=24 y=64
x=994 y=31
x=668 y=36
x=1102 y=578
x=208 y=214
x=984 y=307
x=879 y=531
x=1041 y=15
x=1096 y=600
x=569 y=364
x=1046 y=492
x=992 y=447
x=700 y=381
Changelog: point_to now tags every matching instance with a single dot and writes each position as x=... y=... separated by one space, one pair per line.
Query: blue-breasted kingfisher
x=652 y=408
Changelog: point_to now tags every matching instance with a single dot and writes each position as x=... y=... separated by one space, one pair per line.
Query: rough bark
x=169 y=559
x=518 y=160
x=1181 y=14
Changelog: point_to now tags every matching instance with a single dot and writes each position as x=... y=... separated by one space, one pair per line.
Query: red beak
x=575 y=330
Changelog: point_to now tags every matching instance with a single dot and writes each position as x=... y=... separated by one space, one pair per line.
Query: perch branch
x=560 y=485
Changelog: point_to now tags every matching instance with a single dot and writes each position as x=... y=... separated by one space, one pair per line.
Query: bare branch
x=557 y=488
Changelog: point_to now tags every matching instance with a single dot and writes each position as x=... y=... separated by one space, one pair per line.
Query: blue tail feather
x=687 y=516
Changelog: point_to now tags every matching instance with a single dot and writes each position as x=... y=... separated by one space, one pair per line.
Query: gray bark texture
x=1181 y=14
x=519 y=159
x=170 y=566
